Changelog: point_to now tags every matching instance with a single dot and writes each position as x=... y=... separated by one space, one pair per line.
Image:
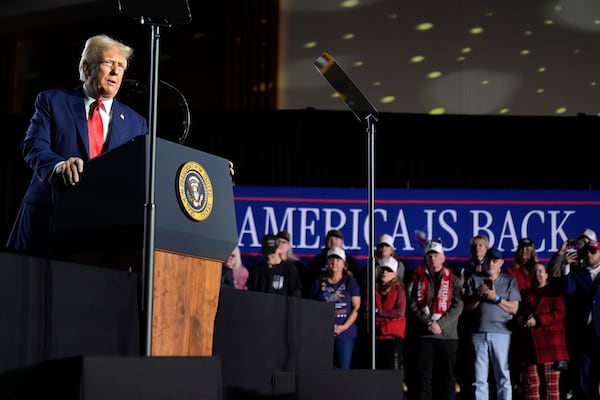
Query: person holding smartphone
x=582 y=320
x=493 y=299
x=569 y=255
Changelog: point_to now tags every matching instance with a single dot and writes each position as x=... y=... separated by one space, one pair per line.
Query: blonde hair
x=92 y=52
x=479 y=237
x=238 y=258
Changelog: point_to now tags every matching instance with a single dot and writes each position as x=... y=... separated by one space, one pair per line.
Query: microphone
x=131 y=83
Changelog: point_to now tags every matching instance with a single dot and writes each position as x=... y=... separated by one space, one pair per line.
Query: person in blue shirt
x=339 y=287
x=493 y=299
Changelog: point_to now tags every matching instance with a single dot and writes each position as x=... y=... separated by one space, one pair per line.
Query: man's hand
x=434 y=328
x=70 y=171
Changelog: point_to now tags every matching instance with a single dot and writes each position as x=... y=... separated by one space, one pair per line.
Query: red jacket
x=522 y=276
x=548 y=336
x=390 y=319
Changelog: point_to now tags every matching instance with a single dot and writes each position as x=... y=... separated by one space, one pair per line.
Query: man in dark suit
x=57 y=144
x=583 y=320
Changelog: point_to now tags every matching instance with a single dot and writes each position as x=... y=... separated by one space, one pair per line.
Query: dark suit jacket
x=583 y=298
x=57 y=131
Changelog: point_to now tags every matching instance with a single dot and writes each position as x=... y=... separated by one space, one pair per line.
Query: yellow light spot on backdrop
x=425 y=26
x=437 y=111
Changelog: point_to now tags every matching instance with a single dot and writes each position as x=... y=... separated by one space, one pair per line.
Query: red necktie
x=95 y=129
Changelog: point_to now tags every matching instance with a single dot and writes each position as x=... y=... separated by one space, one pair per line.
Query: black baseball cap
x=269 y=244
x=336 y=233
x=526 y=242
x=493 y=254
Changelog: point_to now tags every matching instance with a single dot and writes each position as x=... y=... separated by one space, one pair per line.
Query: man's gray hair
x=92 y=51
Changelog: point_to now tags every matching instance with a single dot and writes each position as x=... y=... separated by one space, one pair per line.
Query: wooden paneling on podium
x=103 y=221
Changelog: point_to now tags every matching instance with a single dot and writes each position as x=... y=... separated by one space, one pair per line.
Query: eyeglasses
x=590 y=249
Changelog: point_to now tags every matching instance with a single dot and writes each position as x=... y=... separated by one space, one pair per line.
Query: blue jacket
x=57 y=131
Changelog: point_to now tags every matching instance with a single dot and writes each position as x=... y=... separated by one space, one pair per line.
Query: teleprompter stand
x=365 y=112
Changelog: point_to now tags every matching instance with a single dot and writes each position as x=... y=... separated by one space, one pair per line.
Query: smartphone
x=488 y=282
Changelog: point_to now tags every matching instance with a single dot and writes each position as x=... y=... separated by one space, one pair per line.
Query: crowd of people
x=493 y=327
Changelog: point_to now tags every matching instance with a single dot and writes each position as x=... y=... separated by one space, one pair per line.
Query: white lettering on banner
x=507 y=231
x=271 y=224
x=399 y=231
x=483 y=228
x=558 y=230
x=309 y=225
x=354 y=244
x=401 y=227
x=443 y=225
x=334 y=218
x=248 y=228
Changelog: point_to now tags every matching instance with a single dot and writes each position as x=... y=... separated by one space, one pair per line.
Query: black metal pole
x=150 y=206
x=370 y=121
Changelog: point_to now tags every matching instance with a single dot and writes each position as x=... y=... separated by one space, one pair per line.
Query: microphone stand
x=150 y=206
x=137 y=87
x=370 y=127
x=362 y=109
x=187 y=118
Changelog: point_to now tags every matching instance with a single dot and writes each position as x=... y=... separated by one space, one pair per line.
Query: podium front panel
x=108 y=208
x=213 y=237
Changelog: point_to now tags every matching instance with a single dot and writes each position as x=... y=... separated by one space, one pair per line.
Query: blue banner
x=548 y=217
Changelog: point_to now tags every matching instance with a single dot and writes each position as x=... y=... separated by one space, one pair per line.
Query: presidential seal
x=194 y=191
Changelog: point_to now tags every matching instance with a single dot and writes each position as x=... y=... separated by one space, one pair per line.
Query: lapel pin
x=122 y=117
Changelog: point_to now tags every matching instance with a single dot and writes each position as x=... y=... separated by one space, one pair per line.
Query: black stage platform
x=72 y=331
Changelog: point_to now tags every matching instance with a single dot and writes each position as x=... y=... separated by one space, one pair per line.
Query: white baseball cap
x=432 y=245
x=386 y=239
x=336 y=252
x=588 y=233
x=389 y=262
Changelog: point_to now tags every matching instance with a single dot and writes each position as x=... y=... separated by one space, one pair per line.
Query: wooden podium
x=103 y=221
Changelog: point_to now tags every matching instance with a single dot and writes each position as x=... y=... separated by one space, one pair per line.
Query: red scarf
x=443 y=298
